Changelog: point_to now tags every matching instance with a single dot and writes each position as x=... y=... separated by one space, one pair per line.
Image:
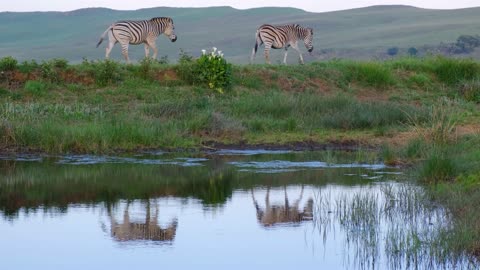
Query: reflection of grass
x=400 y=219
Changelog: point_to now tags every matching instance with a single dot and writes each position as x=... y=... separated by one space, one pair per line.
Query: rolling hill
x=359 y=33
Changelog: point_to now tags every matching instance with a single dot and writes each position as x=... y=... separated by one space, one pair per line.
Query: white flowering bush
x=213 y=70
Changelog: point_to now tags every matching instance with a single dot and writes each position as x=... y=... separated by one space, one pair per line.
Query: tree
x=412 y=51
x=392 y=51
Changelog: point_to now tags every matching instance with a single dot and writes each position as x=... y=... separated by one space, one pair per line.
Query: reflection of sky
x=227 y=237
x=206 y=238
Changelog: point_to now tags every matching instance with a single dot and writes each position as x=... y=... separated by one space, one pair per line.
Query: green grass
x=149 y=105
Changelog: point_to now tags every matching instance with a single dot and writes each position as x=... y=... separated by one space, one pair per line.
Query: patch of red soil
x=166 y=75
x=366 y=95
x=70 y=76
x=468 y=129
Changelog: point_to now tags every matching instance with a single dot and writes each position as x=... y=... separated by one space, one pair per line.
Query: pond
x=229 y=209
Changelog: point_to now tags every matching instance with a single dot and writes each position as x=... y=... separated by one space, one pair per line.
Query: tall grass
x=284 y=102
x=374 y=74
x=441 y=125
x=453 y=71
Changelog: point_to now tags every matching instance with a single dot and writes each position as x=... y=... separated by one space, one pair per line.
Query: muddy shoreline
x=215 y=146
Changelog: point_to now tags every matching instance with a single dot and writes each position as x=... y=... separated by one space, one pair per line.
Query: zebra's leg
x=147 y=50
x=125 y=51
x=109 y=48
x=155 y=50
x=267 y=52
x=295 y=46
x=151 y=44
x=286 y=53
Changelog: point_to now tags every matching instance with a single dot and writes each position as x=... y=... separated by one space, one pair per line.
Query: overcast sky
x=309 y=5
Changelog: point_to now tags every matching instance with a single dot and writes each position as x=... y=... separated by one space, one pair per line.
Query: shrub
x=146 y=69
x=210 y=70
x=185 y=67
x=106 y=72
x=60 y=63
x=28 y=66
x=49 y=72
x=185 y=57
x=8 y=63
x=164 y=60
x=213 y=70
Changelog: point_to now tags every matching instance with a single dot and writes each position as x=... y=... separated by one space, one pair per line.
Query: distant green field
x=73 y=35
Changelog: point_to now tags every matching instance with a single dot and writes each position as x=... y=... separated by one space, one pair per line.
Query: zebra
x=138 y=32
x=282 y=36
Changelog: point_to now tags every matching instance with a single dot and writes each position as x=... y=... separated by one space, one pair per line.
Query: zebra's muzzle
x=310 y=50
x=174 y=39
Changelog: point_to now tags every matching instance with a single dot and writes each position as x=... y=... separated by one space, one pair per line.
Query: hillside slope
x=73 y=35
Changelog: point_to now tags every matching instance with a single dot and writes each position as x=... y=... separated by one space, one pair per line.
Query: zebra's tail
x=258 y=41
x=102 y=37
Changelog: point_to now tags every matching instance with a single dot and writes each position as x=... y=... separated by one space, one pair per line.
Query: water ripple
x=90 y=159
x=252 y=152
x=282 y=164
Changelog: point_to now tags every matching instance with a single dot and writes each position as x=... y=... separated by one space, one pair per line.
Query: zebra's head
x=167 y=26
x=309 y=39
x=170 y=30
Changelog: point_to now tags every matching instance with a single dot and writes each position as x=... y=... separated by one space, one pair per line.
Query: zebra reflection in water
x=283 y=214
x=150 y=229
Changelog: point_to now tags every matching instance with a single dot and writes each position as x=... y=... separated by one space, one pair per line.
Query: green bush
x=106 y=72
x=60 y=63
x=49 y=72
x=210 y=70
x=28 y=66
x=164 y=60
x=36 y=88
x=185 y=67
x=213 y=70
x=8 y=63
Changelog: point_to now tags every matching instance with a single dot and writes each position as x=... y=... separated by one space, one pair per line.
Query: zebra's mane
x=161 y=18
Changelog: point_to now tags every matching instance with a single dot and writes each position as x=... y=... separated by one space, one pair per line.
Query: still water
x=222 y=210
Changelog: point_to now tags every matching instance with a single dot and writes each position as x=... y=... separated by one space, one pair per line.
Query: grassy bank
x=103 y=106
